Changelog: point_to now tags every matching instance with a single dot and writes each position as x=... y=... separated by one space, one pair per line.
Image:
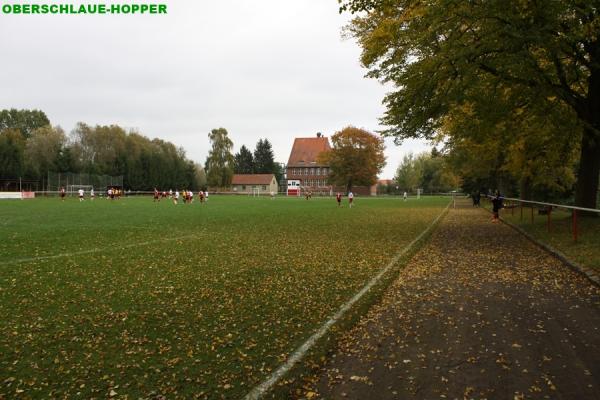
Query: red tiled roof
x=252 y=179
x=305 y=151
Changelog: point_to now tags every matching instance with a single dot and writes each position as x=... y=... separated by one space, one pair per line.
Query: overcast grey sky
x=274 y=69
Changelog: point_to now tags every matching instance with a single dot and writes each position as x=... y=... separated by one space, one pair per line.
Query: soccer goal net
x=255 y=192
x=84 y=181
x=74 y=189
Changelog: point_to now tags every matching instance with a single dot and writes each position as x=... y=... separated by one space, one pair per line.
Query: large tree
x=12 y=145
x=43 y=149
x=437 y=53
x=219 y=164
x=243 y=161
x=356 y=158
x=408 y=174
x=26 y=121
x=264 y=160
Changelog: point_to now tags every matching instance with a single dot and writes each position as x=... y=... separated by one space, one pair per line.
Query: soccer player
x=338 y=198
x=156 y=198
x=350 y=198
x=63 y=193
x=176 y=197
x=405 y=196
x=80 y=195
x=206 y=196
x=92 y=194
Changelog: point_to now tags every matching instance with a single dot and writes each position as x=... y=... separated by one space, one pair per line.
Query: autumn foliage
x=355 y=159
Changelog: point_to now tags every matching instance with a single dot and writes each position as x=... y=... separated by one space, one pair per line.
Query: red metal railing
x=548 y=207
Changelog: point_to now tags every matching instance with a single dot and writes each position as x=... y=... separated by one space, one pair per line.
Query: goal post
x=255 y=192
x=72 y=189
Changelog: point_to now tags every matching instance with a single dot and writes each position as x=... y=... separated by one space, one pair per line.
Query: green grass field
x=135 y=299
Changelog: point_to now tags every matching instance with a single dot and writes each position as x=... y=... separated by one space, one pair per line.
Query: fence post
x=532 y=214
x=575 y=225
x=521 y=211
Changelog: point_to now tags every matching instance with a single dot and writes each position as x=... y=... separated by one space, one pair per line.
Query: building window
x=243 y=187
x=264 y=187
x=305 y=171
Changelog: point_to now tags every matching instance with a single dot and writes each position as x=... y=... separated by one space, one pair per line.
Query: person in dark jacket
x=496 y=206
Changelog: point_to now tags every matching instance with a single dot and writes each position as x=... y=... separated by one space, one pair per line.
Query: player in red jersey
x=156 y=198
x=63 y=193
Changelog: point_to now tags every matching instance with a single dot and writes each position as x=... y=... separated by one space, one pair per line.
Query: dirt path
x=480 y=312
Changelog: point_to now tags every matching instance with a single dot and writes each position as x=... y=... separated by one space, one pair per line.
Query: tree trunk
x=589 y=171
x=349 y=186
x=586 y=192
x=525 y=189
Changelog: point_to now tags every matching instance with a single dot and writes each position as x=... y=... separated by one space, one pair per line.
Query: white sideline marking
x=301 y=351
x=78 y=253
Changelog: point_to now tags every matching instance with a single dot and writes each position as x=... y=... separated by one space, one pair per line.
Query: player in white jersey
x=350 y=198
x=81 y=194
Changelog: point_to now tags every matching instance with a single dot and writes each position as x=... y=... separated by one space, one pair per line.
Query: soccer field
x=130 y=298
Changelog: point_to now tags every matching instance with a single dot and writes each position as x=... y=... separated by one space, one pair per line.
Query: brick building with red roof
x=305 y=173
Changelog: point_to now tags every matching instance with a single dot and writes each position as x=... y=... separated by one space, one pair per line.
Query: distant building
x=303 y=170
x=386 y=186
x=305 y=173
x=254 y=183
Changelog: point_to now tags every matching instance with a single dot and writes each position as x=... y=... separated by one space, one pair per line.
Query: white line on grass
x=301 y=351
x=95 y=250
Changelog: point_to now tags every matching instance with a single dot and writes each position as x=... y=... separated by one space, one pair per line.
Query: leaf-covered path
x=479 y=312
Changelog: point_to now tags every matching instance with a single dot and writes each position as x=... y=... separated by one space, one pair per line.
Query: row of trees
x=512 y=89
x=221 y=163
x=430 y=172
x=30 y=147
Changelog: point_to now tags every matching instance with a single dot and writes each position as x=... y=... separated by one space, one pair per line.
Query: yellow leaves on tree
x=355 y=159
